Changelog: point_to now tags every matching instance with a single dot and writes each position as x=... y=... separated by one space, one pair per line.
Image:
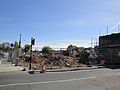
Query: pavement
x=74 y=69
x=9 y=67
x=94 y=79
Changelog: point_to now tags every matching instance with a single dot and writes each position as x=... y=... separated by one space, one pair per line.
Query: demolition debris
x=73 y=56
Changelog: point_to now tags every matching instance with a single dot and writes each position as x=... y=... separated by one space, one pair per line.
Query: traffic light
x=33 y=41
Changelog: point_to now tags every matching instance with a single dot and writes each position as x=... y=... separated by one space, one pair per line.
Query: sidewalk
x=74 y=69
x=71 y=69
x=8 y=67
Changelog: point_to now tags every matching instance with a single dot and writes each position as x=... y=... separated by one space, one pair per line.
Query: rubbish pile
x=57 y=59
x=71 y=57
x=35 y=62
x=38 y=59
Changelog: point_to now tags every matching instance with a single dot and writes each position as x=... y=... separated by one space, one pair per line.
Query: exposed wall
x=109 y=47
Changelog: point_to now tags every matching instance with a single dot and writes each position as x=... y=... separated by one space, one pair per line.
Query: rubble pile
x=57 y=59
x=38 y=59
x=73 y=56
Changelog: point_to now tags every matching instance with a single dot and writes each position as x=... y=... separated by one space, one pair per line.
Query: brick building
x=109 y=48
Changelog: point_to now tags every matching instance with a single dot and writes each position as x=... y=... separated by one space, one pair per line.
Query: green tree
x=16 y=46
x=27 y=48
x=46 y=50
x=5 y=46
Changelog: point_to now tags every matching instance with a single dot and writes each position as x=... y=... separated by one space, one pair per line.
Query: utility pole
x=20 y=41
x=91 y=42
x=107 y=30
x=99 y=32
x=32 y=43
x=20 y=46
x=94 y=42
x=19 y=49
x=118 y=28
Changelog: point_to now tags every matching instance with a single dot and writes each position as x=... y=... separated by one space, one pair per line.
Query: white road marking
x=59 y=81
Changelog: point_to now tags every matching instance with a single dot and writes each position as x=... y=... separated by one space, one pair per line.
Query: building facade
x=109 y=48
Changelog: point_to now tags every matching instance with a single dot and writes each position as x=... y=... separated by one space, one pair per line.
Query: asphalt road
x=98 y=79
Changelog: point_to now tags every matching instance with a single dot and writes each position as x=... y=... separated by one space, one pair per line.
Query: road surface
x=98 y=79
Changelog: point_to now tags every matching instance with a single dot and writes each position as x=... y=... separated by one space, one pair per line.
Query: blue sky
x=57 y=23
